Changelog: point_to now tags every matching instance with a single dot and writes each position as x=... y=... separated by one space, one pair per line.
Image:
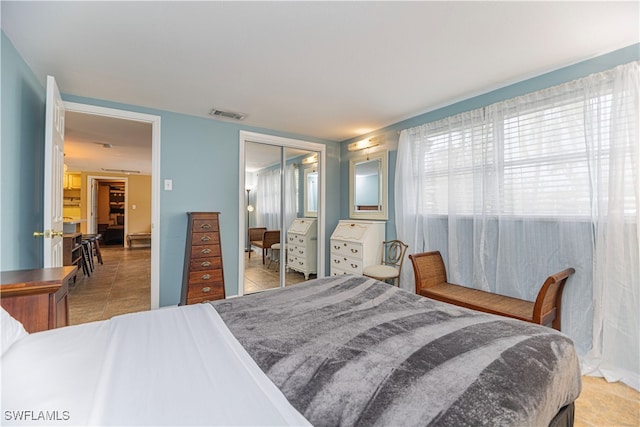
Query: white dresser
x=302 y=244
x=356 y=244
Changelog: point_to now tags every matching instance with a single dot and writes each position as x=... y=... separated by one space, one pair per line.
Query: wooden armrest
x=431 y=281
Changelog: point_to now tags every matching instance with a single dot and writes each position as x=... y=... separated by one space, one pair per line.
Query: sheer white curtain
x=614 y=164
x=524 y=188
x=291 y=201
x=268 y=198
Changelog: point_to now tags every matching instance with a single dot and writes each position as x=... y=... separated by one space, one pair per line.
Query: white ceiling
x=95 y=143
x=332 y=70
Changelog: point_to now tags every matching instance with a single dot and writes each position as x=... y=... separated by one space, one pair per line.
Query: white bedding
x=173 y=366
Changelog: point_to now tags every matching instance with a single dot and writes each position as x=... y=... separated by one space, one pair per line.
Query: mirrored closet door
x=282 y=203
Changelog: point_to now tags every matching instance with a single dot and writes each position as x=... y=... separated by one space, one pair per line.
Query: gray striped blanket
x=350 y=350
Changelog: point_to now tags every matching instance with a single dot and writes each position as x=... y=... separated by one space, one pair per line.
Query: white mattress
x=173 y=366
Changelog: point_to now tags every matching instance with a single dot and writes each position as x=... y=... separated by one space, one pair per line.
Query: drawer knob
x=206 y=251
x=206 y=276
x=301 y=252
x=337 y=261
x=205 y=264
x=207 y=289
x=205 y=238
x=205 y=226
x=301 y=240
x=354 y=265
x=336 y=247
x=291 y=239
x=354 y=251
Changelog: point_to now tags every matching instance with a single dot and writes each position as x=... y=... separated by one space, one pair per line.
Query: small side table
x=38 y=297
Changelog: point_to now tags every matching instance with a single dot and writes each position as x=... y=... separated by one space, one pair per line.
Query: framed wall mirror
x=368 y=182
x=311 y=192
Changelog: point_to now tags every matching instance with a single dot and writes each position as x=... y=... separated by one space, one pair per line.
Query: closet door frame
x=282 y=142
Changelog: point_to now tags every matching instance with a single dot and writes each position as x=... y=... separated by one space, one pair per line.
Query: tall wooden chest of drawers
x=302 y=244
x=203 y=278
x=356 y=244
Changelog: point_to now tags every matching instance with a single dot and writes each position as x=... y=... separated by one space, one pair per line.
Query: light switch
x=168 y=184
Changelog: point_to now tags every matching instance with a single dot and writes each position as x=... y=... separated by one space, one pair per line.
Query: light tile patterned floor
x=120 y=285
x=607 y=404
x=259 y=277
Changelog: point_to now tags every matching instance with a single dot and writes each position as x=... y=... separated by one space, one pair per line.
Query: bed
x=344 y=350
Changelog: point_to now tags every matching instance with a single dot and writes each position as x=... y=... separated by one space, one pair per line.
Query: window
x=523 y=161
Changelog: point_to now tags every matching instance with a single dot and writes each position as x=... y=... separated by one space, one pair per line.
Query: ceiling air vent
x=227 y=114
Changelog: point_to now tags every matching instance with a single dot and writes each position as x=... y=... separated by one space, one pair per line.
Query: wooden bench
x=260 y=237
x=431 y=282
x=139 y=236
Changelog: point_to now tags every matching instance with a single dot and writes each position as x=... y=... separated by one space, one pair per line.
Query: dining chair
x=390 y=265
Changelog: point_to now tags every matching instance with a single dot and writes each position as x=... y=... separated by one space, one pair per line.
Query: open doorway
x=110 y=213
x=117 y=198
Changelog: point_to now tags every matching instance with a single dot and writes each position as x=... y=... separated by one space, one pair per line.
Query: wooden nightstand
x=38 y=297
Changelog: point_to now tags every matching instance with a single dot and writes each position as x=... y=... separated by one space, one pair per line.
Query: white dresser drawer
x=349 y=249
x=297 y=263
x=350 y=265
x=338 y=272
x=299 y=251
x=297 y=239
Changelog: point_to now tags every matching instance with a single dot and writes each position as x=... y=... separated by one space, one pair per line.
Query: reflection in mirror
x=368 y=186
x=310 y=192
x=277 y=194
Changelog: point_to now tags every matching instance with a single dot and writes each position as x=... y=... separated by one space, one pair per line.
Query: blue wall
x=21 y=162
x=390 y=134
x=200 y=155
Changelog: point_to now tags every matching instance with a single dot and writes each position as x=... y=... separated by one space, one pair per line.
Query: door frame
x=321 y=149
x=154 y=121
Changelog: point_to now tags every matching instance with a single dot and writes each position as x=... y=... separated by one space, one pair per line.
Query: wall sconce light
x=310 y=160
x=365 y=143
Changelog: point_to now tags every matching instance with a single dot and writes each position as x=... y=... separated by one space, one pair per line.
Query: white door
x=92 y=226
x=53 y=175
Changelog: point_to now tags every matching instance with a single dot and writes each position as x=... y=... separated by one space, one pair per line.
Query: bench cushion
x=480 y=300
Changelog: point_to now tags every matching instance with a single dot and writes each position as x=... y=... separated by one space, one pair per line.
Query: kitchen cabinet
x=72 y=181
